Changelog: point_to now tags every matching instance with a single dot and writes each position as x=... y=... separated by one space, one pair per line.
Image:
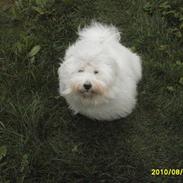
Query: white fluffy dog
x=99 y=76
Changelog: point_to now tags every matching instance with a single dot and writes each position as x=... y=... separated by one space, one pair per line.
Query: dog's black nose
x=87 y=86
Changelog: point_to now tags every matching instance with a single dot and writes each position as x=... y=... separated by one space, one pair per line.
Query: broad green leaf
x=34 y=51
x=3 y=151
x=165 y=5
x=181 y=26
x=163 y=47
x=147 y=6
x=39 y=10
x=181 y=80
x=178 y=34
x=170 y=88
x=179 y=63
x=32 y=60
x=1 y=124
x=24 y=162
x=75 y=148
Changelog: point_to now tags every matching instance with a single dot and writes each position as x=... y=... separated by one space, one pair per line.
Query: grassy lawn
x=41 y=141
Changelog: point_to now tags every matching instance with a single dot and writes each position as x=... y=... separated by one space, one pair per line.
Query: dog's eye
x=80 y=70
x=95 y=72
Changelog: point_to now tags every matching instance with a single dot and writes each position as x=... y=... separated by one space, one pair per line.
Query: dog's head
x=88 y=80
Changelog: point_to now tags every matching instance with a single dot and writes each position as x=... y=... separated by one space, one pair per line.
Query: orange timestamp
x=167 y=172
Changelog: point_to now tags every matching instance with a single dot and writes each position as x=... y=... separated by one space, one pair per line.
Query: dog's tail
x=99 y=32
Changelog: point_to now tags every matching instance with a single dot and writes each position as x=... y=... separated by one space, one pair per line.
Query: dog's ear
x=64 y=72
x=115 y=66
x=63 y=79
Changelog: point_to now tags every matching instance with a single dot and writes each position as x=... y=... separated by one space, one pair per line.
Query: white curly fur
x=112 y=70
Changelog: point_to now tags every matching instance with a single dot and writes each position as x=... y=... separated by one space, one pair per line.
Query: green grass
x=41 y=141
